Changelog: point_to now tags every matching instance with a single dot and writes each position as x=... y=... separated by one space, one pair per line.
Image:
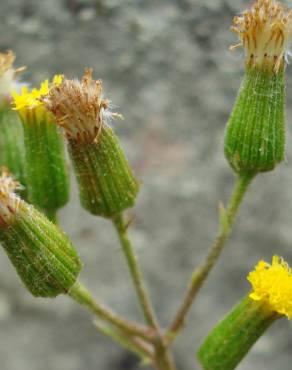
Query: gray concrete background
x=167 y=66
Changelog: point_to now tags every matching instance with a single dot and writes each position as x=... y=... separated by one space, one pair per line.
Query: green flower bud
x=106 y=182
x=255 y=133
x=11 y=138
x=233 y=337
x=43 y=256
x=47 y=176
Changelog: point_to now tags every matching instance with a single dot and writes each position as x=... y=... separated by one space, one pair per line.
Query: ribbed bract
x=47 y=177
x=232 y=338
x=106 y=182
x=42 y=254
x=12 y=145
x=255 y=133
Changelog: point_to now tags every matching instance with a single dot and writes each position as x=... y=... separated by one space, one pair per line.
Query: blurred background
x=166 y=66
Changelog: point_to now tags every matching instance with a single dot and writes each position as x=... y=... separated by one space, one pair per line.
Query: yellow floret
x=57 y=80
x=272 y=284
x=31 y=99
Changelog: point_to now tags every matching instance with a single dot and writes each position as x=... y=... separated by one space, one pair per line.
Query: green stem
x=142 y=349
x=227 y=218
x=135 y=271
x=163 y=358
x=82 y=296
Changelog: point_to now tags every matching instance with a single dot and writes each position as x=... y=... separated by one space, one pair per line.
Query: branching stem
x=135 y=270
x=163 y=358
x=227 y=218
x=82 y=296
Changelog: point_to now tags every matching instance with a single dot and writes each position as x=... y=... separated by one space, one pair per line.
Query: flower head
x=264 y=31
x=9 y=200
x=79 y=107
x=28 y=100
x=42 y=254
x=8 y=81
x=272 y=285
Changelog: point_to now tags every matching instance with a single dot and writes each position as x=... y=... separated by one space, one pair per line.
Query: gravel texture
x=167 y=67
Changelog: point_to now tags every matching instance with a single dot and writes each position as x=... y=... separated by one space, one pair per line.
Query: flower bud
x=255 y=133
x=11 y=138
x=106 y=182
x=47 y=176
x=270 y=299
x=43 y=256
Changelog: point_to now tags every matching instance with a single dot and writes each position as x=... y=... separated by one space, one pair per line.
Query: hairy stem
x=227 y=218
x=163 y=358
x=82 y=296
x=143 y=349
x=135 y=270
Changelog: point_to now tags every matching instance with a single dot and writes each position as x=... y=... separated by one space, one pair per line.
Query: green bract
x=232 y=338
x=106 y=182
x=255 y=133
x=43 y=256
x=12 y=154
x=47 y=177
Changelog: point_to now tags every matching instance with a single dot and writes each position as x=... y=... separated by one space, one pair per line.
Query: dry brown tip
x=6 y=63
x=78 y=107
x=9 y=201
x=7 y=183
x=264 y=31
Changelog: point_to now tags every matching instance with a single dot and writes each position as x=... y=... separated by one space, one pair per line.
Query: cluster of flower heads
x=78 y=106
x=264 y=31
x=272 y=285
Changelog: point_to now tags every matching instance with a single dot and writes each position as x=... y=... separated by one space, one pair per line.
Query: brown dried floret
x=9 y=201
x=78 y=107
x=6 y=63
x=264 y=31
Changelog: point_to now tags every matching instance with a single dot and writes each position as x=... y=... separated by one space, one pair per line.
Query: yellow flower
x=264 y=31
x=272 y=285
x=31 y=100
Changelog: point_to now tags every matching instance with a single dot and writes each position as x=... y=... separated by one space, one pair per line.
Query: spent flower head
x=8 y=74
x=264 y=31
x=79 y=107
x=272 y=285
x=44 y=257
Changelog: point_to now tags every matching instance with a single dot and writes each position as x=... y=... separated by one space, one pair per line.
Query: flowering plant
x=34 y=185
